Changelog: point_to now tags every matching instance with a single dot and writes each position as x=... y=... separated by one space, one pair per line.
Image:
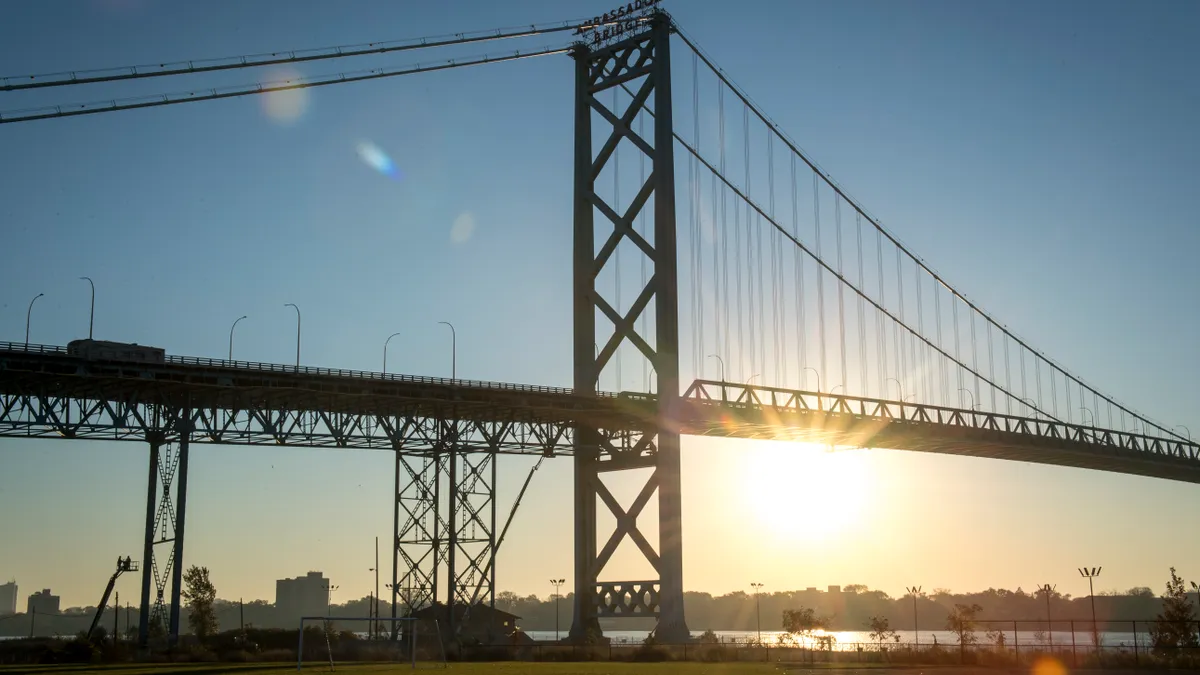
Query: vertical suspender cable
x=991 y=365
x=798 y=269
x=699 y=216
x=862 y=320
x=820 y=276
x=725 y=224
x=881 y=323
x=841 y=289
x=750 y=256
x=902 y=370
x=937 y=311
x=773 y=236
x=974 y=357
x=920 y=365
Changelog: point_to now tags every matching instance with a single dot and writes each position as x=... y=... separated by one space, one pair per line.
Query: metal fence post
x=1074 y=654
x=1136 y=658
x=1016 y=644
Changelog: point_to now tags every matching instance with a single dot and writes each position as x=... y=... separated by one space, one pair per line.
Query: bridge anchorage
x=447 y=436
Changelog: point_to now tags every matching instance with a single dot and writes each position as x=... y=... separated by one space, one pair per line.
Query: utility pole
x=915 y=591
x=117 y=618
x=375 y=624
x=242 y=616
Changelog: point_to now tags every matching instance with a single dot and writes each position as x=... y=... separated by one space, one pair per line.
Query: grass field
x=502 y=668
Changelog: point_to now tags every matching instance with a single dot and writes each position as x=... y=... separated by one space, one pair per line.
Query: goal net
x=326 y=641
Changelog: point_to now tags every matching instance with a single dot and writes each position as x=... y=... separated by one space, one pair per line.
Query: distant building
x=303 y=596
x=43 y=603
x=811 y=589
x=835 y=589
x=8 y=599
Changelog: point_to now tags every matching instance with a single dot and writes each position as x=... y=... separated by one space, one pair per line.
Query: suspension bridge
x=785 y=276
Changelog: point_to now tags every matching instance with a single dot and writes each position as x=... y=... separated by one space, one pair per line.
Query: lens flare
x=286 y=106
x=373 y=156
x=1048 y=665
x=463 y=227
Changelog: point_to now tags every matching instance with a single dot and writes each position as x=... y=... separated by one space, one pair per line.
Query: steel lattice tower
x=642 y=64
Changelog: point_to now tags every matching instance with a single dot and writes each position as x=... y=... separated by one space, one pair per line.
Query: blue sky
x=1041 y=157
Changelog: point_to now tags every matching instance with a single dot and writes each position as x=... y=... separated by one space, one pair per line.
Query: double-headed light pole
x=915 y=592
x=1049 y=591
x=557 y=583
x=1089 y=574
x=757 y=607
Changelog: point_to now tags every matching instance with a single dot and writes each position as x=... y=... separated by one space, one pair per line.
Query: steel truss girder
x=726 y=409
x=654 y=444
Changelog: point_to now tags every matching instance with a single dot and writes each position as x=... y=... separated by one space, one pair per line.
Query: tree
x=200 y=595
x=1173 y=627
x=880 y=630
x=961 y=622
x=803 y=622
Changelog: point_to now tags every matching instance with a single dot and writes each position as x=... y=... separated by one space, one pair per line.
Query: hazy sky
x=1042 y=157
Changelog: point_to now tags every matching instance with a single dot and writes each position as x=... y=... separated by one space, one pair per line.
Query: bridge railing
x=258 y=366
x=731 y=394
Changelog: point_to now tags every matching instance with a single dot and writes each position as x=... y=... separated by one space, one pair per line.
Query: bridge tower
x=641 y=64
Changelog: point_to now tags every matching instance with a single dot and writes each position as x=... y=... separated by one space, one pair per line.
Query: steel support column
x=184 y=429
x=148 y=569
x=640 y=65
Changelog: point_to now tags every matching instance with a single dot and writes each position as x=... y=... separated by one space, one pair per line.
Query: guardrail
x=257 y=366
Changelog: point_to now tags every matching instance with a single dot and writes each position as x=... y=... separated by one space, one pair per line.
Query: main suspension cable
x=211 y=94
x=193 y=66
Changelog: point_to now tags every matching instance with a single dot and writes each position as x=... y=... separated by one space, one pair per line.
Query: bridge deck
x=46 y=393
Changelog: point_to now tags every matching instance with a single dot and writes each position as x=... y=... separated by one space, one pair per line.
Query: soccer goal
x=326 y=640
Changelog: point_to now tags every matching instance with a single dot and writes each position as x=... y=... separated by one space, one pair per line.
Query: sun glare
x=806 y=492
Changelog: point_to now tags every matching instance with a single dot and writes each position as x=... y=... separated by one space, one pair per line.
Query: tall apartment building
x=303 y=596
x=8 y=599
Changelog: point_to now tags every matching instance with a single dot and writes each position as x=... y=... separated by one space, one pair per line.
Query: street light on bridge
x=453 y=350
x=28 y=314
x=963 y=390
x=92 y=313
x=1189 y=431
x=722 y=362
x=385 y=345
x=235 y=323
x=898 y=384
x=297 y=333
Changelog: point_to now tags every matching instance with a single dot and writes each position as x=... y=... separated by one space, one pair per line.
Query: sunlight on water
x=374 y=156
x=285 y=106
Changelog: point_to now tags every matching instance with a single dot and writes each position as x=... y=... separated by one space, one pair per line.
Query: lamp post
x=297 y=333
x=1189 y=431
x=1089 y=411
x=453 y=350
x=385 y=344
x=374 y=609
x=557 y=583
x=915 y=591
x=92 y=313
x=898 y=385
x=1090 y=574
x=1048 y=590
x=835 y=387
x=28 y=314
x=720 y=361
x=757 y=608
x=748 y=379
x=329 y=589
x=235 y=323
x=968 y=392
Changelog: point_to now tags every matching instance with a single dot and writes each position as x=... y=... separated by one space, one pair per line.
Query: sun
x=806 y=492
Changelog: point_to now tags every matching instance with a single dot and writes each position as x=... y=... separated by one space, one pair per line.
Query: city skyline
x=987 y=140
